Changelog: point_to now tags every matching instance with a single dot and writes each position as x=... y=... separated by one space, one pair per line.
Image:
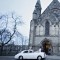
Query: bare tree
x=5 y=35
x=20 y=39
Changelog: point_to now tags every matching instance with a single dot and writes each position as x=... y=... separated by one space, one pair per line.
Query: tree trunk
x=1 y=50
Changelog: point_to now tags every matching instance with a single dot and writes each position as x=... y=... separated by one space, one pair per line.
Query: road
x=12 y=58
x=6 y=57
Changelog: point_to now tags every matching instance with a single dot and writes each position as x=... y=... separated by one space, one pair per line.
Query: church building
x=45 y=28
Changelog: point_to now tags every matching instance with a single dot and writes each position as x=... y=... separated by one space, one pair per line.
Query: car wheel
x=20 y=57
x=39 y=58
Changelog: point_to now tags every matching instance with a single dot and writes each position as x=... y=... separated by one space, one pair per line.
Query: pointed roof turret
x=37 y=12
x=38 y=4
x=37 y=7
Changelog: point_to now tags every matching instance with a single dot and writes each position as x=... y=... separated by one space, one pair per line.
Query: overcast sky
x=23 y=8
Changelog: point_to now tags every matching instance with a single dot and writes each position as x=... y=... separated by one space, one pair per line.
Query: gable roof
x=52 y=5
x=46 y=14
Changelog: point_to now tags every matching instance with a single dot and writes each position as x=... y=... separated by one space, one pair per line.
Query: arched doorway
x=47 y=47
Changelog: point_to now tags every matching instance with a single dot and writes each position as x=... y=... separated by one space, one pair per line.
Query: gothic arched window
x=47 y=25
x=37 y=30
x=41 y=30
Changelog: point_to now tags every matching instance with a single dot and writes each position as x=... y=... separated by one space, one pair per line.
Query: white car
x=29 y=54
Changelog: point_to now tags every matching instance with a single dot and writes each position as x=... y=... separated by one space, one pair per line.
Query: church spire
x=38 y=5
x=37 y=11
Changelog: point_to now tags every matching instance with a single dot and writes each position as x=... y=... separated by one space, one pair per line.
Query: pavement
x=53 y=57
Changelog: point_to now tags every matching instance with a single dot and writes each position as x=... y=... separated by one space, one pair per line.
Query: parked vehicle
x=30 y=54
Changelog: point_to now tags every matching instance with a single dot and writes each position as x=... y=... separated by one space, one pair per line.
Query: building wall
x=38 y=27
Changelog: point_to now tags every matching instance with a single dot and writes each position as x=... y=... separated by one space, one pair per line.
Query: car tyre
x=39 y=58
x=20 y=57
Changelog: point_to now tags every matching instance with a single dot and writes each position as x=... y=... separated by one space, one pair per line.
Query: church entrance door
x=47 y=48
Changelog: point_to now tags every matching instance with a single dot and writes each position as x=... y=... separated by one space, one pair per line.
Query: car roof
x=27 y=50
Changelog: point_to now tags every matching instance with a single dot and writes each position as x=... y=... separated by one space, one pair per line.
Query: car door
x=30 y=55
x=25 y=54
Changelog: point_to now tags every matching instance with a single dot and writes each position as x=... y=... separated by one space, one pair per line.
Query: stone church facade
x=45 y=28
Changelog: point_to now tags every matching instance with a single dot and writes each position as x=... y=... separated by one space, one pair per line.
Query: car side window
x=30 y=51
x=25 y=52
